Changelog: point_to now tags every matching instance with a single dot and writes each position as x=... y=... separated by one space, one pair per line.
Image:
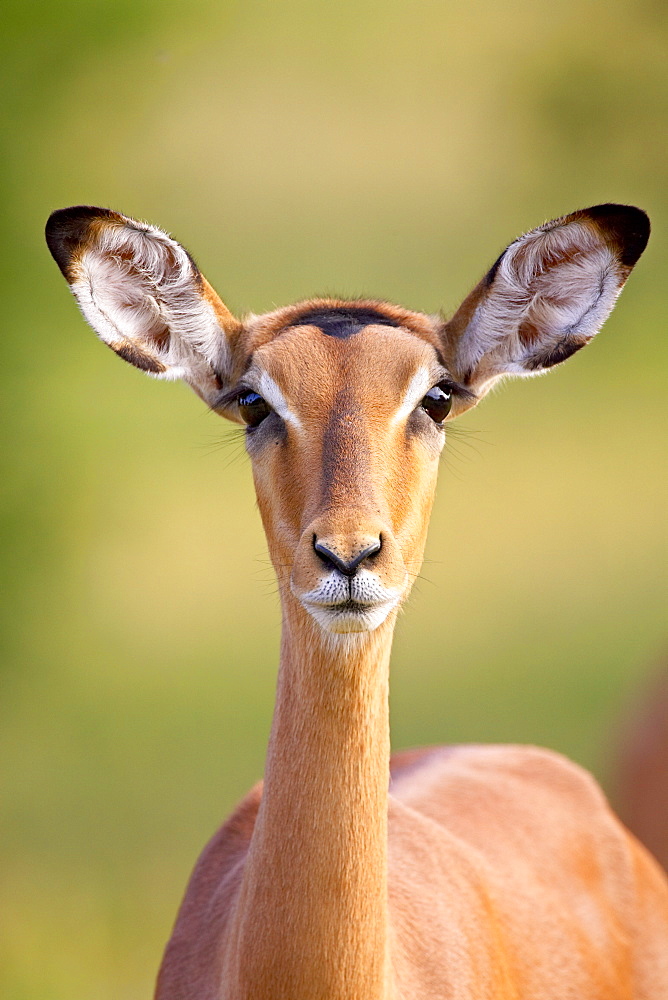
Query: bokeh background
x=390 y=149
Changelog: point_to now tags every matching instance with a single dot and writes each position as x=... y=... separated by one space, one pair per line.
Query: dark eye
x=252 y=408
x=438 y=402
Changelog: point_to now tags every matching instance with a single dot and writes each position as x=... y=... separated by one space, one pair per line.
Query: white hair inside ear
x=144 y=296
x=547 y=295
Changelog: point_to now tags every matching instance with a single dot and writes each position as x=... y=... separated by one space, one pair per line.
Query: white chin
x=345 y=621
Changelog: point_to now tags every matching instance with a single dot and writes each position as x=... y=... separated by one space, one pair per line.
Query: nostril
x=330 y=558
x=346 y=566
x=371 y=550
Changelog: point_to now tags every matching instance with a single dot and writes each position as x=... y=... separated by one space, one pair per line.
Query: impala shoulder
x=509 y=766
x=223 y=854
x=190 y=963
x=540 y=766
x=573 y=790
x=537 y=778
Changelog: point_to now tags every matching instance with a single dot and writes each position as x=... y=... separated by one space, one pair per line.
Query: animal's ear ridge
x=144 y=296
x=546 y=296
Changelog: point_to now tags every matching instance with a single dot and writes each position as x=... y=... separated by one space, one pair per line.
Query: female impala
x=488 y=873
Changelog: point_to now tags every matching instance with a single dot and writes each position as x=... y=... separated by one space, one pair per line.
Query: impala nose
x=327 y=551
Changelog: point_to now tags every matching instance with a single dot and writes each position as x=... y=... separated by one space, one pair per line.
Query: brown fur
x=135 y=356
x=487 y=873
x=500 y=861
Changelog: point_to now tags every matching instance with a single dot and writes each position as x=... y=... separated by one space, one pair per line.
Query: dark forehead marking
x=343 y=322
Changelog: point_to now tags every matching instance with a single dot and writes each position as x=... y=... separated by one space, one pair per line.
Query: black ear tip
x=67 y=229
x=629 y=227
x=75 y=220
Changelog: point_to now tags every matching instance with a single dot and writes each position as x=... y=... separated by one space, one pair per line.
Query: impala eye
x=253 y=408
x=438 y=402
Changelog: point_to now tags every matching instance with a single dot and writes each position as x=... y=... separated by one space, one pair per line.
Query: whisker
x=233 y=441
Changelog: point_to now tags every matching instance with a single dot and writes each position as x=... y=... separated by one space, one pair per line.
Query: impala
x=486 y=872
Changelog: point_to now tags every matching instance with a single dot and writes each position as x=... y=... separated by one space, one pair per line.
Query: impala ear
x=144 y=296
x=546 y=297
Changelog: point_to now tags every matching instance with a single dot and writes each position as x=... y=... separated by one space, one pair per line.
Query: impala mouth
x=349 y=615
x=350 y=604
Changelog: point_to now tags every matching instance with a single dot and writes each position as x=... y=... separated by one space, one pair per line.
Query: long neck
x=311 y=920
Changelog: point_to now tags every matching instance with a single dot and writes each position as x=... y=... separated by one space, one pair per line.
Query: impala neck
x=311 y=921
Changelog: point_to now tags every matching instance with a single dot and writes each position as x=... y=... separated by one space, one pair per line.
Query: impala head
x=346 y=403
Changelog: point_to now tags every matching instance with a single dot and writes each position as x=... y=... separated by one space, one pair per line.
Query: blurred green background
x=390 y=149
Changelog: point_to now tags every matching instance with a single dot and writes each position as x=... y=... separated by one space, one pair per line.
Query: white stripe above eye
x=271 y=392
x=419 y=385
